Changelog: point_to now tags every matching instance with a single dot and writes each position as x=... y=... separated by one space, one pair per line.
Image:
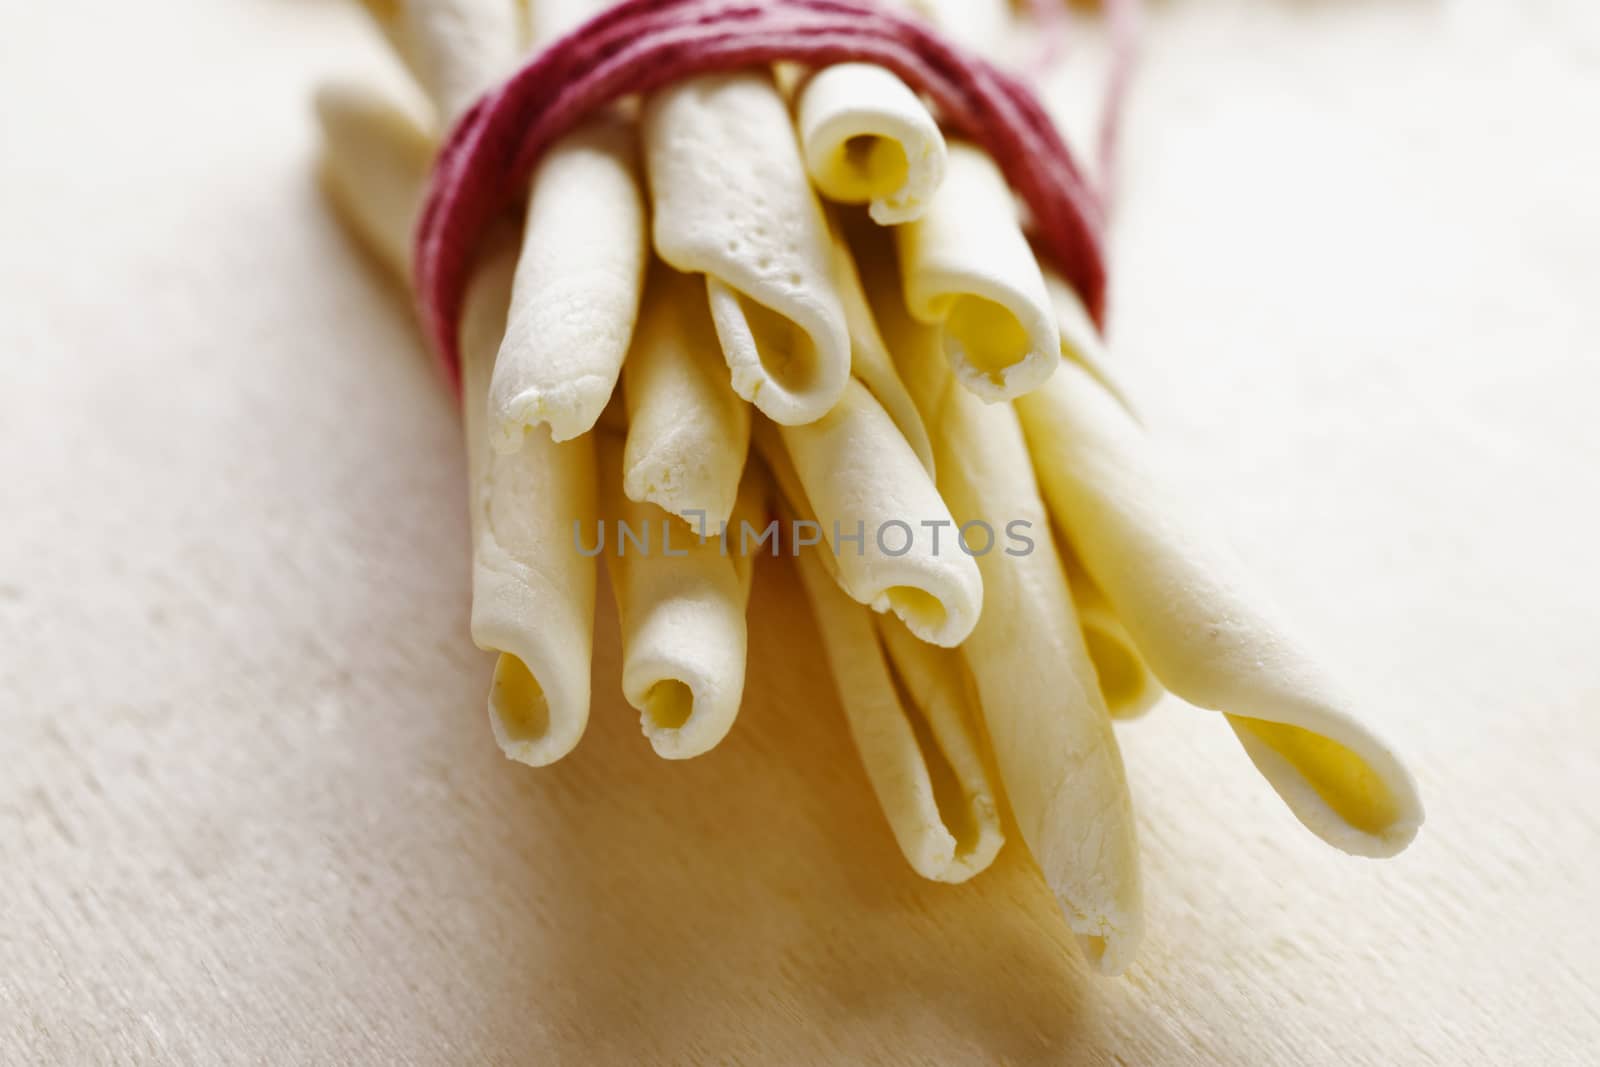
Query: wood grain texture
x=250 y=810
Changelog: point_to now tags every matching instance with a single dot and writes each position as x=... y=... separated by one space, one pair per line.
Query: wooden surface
x=250 y=810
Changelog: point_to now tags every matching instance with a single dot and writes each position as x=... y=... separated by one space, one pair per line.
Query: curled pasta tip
x=968 y=270
x=941 y=704
x=1339 y=779
x=532 y=590
x=731 y=201
x=681 y=602
x=688 y=433
x=869 y=140
x=578 y=284
x=1201 y=627
x=528 y=720
x=639 y=46
x=874 y=503
x=909 y=709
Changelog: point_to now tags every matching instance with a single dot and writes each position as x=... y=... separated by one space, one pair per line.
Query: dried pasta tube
x=750 y=511
x=375 y=163
x=532 y=584
x=456 y=49
x=688 y=434
x=870 y=360
x=767 y=442
x=868 y=139
x=532 y=591
x=968 y=270
x=942 y=705
x=1126 y=684
x=911 y=724
x=732 y=201
x=882 y=515
x=1204 y=632
x=1052 y=736
x=1080 y=340
x=681 y=601
x=578 y=284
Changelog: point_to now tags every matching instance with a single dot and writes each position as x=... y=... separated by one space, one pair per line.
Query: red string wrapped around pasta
x=641 y=45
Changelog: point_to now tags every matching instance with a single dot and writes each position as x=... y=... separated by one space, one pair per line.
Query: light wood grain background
x=250 y=810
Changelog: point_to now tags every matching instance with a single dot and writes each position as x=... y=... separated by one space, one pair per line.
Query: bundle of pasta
x=809 y=267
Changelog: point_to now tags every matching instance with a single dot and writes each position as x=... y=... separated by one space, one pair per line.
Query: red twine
x=641 y=45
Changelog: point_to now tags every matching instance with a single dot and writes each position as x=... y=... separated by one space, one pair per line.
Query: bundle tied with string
x=958 y=377
x=641 y=45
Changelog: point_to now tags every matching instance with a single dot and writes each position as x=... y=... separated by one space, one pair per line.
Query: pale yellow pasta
x=968 y=269
x=681 y=603
x=870 y=360
x=921 y=756
x=864 y=483
x=1203 y=630
x=768 y=443
x=1052 y=736
x=941 y=703
x=1080 y=339
x=1126 y=684
x=576 y=297
x=749 y=513
x=732 y=201
x=456 y=49
x=868 y=139
x=533 y=593
x=779 y=466
x=688 y=433
x=532 y=589
x=375 y=163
